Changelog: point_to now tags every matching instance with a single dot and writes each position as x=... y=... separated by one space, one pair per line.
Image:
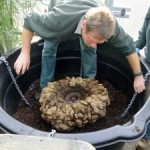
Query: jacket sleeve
x=43 y=25
x=122 y=41
x=141 y=41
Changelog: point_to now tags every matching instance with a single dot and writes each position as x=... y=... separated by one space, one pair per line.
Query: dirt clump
x=73 y=102
x=31 y=116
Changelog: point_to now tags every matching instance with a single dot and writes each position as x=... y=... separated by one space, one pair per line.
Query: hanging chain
x=133 y=98
x=26 y=101
x=52 y=133
x=14 y=80
x=130 y=105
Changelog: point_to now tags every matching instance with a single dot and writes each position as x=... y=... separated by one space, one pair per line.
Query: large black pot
x=111 y=65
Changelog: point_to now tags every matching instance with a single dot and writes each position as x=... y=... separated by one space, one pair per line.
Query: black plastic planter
x=111 y=65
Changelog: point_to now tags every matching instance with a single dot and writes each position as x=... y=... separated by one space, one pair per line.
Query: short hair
x=101 y=20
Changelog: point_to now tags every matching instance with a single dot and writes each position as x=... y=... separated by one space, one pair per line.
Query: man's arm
x=141 y=41
x=23 y=61
x=125 y=45
x=139 y=84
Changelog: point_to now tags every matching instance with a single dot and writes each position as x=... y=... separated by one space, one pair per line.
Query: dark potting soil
x=31 y=116
x=1 y=131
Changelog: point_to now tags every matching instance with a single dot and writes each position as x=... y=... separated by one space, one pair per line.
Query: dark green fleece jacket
x=61 y=23
x=144 y=36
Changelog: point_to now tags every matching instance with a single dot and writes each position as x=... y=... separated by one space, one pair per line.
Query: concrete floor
x=127 y=146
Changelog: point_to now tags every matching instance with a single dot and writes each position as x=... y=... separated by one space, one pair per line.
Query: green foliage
x=8 y=29
x=11 y=16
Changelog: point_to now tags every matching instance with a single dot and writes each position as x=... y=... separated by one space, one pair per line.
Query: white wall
x=138 y=11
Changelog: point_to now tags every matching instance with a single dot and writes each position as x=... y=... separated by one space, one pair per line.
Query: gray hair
x=101 y=20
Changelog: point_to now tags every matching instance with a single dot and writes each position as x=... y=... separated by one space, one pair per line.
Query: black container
x=111 y=66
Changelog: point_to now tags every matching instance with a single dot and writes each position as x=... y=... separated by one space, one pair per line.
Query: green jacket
x=61 y=22
x=144 y=36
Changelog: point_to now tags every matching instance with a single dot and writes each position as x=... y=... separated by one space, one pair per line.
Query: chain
x=52 y=133
x=133 y=98
x=14 y=80
x=146 y=76
x=130 y=105
x=26 y=101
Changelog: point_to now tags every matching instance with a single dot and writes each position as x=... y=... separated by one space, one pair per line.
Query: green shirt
x=144 y=36
x=60 y=24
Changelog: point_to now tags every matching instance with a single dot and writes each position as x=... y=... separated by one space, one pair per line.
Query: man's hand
x=22 y=63
x=139 y=84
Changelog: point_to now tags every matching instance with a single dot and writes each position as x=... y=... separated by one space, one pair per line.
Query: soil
x=31 y=116
x=1 y=132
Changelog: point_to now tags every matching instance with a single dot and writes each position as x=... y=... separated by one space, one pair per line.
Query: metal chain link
x=26 y=101
x=14 y=80
x=52 y=133
x=133 y=98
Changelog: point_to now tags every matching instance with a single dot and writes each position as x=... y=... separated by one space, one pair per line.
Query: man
x=143 y=42
x=88 y=20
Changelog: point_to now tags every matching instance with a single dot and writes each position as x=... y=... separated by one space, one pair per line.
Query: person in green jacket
x=143 y=41
x=144 y=36
x=88 y=20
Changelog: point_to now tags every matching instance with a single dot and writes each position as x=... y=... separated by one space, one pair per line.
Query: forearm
x=134 y=62
x=23 y=61
x=139 y=84
x=26 y=40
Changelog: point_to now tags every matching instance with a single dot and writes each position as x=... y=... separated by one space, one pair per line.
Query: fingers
x=24 y=69
x=20 y=68
x=22 y=63
x=17 y=68
x=140 y=89
x=139 y=84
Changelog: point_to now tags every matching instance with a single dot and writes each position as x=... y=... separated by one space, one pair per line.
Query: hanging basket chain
x=14 y=80
x=52 y=133
x=134 y=97
x=26 y=101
